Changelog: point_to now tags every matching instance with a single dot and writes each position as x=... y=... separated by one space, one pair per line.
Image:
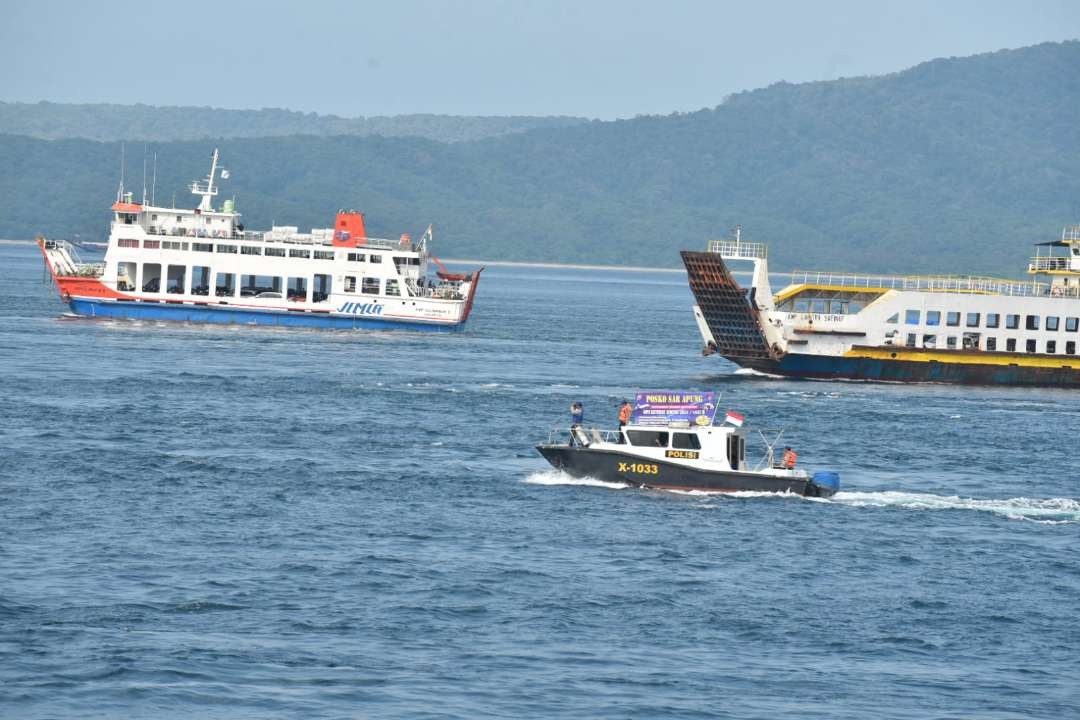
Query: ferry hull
x=1008 y=370
x=223 y=315
x=632 y=470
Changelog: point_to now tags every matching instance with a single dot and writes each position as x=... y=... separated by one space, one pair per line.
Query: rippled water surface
x=246 y=522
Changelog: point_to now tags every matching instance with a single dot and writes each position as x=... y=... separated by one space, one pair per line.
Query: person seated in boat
x=789 y=459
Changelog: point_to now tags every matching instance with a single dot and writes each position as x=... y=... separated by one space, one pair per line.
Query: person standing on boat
x=624 y=413
x=790 y=458
x=577 y=414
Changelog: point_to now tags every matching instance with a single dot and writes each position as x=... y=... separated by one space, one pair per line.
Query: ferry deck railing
x=933 y=283
x=582 y=435
x=736 y=249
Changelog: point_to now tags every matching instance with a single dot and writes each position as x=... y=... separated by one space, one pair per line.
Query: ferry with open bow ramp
x=672 y=443
x=202 y=265
x=912 y=328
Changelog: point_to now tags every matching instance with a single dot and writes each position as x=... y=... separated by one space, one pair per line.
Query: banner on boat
x=664 y=407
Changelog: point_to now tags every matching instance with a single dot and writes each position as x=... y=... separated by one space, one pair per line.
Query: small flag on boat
x=734 y=418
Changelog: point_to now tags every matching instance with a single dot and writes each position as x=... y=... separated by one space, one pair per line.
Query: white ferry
x=202 y=265
x=950 y=329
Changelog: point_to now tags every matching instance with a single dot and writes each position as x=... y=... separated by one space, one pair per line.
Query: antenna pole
x=153 y=183
x=120 y=190
x=144 y=174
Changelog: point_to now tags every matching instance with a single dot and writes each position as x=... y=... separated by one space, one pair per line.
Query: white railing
x=1048 y=263
x=738 y=249
x=930 y=283
x=1071 y=233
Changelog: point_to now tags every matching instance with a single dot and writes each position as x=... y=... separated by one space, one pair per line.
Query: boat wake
x=1051 y=511
x=557 y=477
x=1047 y=511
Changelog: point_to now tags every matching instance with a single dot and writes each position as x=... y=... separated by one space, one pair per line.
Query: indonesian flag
x=734 y=418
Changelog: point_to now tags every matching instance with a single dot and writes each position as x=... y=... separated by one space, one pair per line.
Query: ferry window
x=951 y=342
x=991 y=344
x=836 y=307
x=250 y=250
x=176 y=280
x=647 y=438
x=350 y=283
x=392 y=287
x=895 y=318
x=929 y=341
x=911 y=317
x=992 y=320
x=952 y=319
x=971 y=341
x=1032 y=322
x=1031 y=346
x=153 y=218
x=200 y=280
x=298 y=253
x=910 y=340
x=1010 y=345
x=375 y=258
x=685 y=441
x=320 y=288
x=818 y=306
x=370 y=286
x=855 y=306
x=1070 y=347
x=1012 y=322
x=151 y=277
x=802 y=306
x=933 y=317
x=225 y=285
x=356 y=257
x=228 y=249
x=125 y=276
x=125 y=242
x=1071 y=324
x=274 y=252
x=151 y=244
x=202 y=247
x=324 y=254
x=973 y=319
x=1051 y=322
x=297 y=289
x=1051 y=346
x=255 y=285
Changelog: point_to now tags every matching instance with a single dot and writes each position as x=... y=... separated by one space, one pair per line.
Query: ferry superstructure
x=202 y=265
x=912 y=328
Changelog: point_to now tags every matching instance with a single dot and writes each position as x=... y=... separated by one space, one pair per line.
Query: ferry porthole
x=892 y=355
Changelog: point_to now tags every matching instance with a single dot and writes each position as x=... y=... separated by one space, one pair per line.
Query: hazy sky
x=597 y=58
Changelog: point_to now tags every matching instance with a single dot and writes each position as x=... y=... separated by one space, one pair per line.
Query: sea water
x=248 y=522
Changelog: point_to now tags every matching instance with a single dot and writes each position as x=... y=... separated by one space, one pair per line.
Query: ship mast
x=208 y=191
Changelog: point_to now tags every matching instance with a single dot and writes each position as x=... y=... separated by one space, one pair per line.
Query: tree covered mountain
x=52 y=121
x=955 y=165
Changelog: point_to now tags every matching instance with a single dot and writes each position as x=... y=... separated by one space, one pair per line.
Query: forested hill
x=52 y=121
x=955 y=165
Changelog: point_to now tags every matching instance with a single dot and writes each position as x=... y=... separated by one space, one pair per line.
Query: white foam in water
x=1049 y=511
x=558 y=477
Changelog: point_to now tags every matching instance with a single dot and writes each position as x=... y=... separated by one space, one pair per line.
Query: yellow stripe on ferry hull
x=965 y=357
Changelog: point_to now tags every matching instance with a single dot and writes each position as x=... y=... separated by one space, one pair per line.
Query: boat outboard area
x=672 y=442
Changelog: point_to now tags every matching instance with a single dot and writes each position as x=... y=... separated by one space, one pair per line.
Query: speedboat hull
x=618 y=467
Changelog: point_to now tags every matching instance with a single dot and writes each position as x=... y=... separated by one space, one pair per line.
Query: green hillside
x=54 y=121
x=952 y=166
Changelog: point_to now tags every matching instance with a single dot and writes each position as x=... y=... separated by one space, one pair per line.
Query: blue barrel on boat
x=827 y=480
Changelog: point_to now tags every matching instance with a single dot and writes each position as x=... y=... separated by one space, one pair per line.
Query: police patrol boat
x=953 y=329
x=201 y=265
x=671 y=443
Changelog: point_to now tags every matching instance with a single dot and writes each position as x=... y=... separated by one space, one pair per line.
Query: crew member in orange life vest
x=624 y=413
x=790 y=458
